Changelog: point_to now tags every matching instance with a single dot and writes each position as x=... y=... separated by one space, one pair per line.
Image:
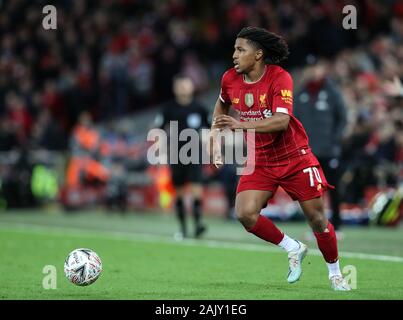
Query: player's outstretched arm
x=278 y=122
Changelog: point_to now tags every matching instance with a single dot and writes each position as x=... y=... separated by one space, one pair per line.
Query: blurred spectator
x=19 y=116
x=46 y=134
x=141 y=74
x=52 y=101
x=8 y=135
x=320 y=107
x=16 y=182
x=122 y=55
x=86 y=138
x=359 y=163
x=84 y=165
x=193 y=69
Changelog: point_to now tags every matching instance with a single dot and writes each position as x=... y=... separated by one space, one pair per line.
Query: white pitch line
x=153 y=238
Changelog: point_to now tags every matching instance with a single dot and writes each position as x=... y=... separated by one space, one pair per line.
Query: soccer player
x=262 y=93
x=186 y=113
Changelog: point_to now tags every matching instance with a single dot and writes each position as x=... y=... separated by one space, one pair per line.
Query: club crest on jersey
x=249 y=99
x=262 y=100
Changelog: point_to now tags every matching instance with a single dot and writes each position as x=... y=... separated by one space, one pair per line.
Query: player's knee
x=247 y=215
x=318 y=222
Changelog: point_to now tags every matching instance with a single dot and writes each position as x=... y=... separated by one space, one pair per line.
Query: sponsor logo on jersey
x=267 y=113
x=286 y=93
x=286 y=96
x=235 y=100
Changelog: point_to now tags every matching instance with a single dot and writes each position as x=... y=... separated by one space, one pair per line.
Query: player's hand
x=224 y=121
x=214 y=149
x=217 y=158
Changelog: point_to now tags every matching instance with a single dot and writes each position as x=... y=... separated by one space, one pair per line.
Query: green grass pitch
x=141 y=260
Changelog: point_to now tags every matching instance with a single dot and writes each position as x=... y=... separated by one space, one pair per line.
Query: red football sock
x=266 y=230
x=327 y=243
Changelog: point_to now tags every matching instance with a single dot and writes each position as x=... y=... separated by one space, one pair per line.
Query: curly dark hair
x=275 y=49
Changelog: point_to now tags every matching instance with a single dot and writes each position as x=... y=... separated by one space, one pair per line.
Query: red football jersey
x=273 y=92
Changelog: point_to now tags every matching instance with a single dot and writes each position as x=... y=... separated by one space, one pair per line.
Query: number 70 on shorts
x=313 y=173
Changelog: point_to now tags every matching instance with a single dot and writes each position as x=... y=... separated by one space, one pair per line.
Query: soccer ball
x=82 y=267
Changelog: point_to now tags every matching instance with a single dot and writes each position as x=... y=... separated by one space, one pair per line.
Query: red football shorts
x=303 y=179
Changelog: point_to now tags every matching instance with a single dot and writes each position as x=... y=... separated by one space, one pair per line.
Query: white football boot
x=339 y=283
x=295 y=260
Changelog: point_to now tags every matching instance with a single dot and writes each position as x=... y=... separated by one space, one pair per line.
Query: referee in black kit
x=187 y=114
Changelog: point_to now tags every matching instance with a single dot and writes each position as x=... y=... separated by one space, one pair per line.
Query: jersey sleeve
x=283 y=94
x=224 y=95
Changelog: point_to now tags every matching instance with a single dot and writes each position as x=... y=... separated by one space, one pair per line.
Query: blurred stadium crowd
x=111 y=58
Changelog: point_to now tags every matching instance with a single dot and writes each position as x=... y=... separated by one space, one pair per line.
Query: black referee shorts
x=190 y=173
